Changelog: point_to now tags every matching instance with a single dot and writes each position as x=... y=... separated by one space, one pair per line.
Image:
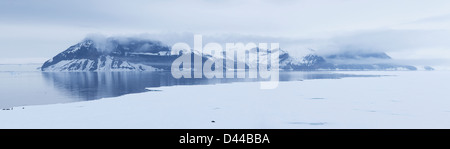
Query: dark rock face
x=134 y=54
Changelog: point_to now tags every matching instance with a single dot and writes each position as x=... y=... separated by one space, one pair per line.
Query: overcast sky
x=419 y=30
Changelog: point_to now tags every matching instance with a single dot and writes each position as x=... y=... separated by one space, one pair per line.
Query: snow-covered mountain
x=317 y=62
x=133 y=54
x=112 y=55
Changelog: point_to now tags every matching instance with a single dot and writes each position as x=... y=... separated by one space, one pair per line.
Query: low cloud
x=398 y=44
x=107 y=44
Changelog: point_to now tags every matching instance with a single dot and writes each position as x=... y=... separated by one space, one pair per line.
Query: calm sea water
x=28 y=86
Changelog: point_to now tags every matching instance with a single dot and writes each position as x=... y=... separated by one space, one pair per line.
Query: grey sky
x=407 y=29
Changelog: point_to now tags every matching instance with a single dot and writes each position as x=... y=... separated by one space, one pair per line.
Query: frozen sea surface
x=403 y=99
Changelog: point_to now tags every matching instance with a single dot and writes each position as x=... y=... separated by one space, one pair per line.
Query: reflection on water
x=20 y=88
x=96 y=85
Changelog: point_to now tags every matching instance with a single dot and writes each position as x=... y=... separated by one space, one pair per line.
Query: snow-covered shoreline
x=416 y=99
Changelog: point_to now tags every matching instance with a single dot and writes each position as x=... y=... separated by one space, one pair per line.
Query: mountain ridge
x=133 y=54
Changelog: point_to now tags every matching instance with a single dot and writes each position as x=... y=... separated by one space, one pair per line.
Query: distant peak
x=359 y=55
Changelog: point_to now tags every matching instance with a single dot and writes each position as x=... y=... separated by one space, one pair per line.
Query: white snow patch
x=408 y=99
